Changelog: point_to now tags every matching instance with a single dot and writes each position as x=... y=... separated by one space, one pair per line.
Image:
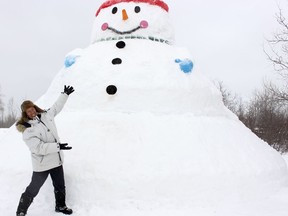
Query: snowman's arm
x=186 y=65
x=71 y=57
x=70 y=60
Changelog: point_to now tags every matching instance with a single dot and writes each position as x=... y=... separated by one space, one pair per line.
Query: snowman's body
x=150 y=135
x=148 y=79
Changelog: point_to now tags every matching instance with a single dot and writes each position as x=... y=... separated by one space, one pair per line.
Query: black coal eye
x=114 y=10
x=137 y=9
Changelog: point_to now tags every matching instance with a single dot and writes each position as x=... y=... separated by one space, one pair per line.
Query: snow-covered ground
x=3 y=130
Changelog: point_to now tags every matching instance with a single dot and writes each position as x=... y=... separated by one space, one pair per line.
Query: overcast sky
x=225 y=38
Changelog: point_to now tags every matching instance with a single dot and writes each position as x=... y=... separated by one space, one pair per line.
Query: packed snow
x=3 y=131
x=163 y=143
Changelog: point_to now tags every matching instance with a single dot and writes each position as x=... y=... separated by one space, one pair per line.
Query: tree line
x=264 y=114
x=8 y=113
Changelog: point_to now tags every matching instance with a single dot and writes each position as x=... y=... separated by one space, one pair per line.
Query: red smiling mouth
x=143 y=24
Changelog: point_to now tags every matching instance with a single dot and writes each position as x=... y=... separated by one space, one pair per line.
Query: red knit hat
x=152 y=2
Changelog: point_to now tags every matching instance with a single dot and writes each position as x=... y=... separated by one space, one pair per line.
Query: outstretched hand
x=68 y=89
x=64 y=146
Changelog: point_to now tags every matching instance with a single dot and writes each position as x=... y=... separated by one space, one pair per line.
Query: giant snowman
x=147 y=129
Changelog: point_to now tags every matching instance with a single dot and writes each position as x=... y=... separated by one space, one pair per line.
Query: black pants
x=38 y=179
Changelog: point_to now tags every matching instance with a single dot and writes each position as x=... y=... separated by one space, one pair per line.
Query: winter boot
x=61 y=204
x=24 y=203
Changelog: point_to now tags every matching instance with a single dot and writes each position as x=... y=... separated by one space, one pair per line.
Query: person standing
x=41 y=136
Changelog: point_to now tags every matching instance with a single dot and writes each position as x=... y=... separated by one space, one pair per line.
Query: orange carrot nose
x=124 y=15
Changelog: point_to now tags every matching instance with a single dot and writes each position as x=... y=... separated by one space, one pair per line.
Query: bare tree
x=2 y=109
x=278 y=55
x=267 y=118
x=8 y=118
x=12 y=113
x=278 y=94
x=265 y=114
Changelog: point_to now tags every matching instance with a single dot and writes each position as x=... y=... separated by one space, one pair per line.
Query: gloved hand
x=68 y=89
x=64 y=146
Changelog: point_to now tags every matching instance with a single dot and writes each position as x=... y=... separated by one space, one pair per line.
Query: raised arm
x=60 y=102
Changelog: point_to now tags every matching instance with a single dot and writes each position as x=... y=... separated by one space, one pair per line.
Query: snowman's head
x=140 y=19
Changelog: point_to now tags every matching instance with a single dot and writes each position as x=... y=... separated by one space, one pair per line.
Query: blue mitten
x=186 y=65
x=70 y=60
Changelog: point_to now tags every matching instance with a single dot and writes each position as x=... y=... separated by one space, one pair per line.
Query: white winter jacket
x=42 y=138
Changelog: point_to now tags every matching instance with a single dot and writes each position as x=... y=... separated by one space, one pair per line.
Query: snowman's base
x=173 y=158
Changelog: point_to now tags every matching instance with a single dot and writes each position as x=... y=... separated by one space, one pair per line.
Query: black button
x=137 y=9
x=111 y=89
x=114 y=10
x=120 y=44
x=116 y=61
